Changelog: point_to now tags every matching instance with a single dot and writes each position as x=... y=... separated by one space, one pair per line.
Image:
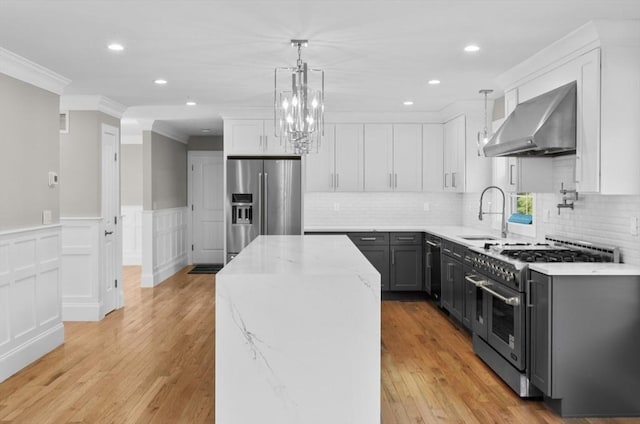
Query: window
x=521 y=218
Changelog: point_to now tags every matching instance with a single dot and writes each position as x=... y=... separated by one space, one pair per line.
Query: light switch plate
x=46 y=217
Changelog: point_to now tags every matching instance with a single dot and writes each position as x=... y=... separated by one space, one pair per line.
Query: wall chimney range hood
x=542 y=126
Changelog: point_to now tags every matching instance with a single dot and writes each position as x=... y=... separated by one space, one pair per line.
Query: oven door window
x=506 y=325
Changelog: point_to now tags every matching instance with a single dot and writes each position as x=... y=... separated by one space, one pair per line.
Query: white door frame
x=190 y=155
x=117 y=235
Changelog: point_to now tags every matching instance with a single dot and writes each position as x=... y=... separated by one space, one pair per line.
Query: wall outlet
x=426 y=207
x=336 y=206
x=46 y=217
x=633 y=225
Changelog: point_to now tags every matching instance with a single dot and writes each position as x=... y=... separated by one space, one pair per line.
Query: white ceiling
x=376 y=53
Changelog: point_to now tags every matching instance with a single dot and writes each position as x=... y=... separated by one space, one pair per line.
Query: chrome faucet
x=480 y=213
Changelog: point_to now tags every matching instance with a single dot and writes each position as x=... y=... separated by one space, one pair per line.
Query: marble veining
x=298 y=333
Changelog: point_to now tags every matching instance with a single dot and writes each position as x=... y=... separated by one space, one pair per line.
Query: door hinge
x=191 y=207
x=115 y=220
x=192 y=247
x=115 y=156
x=116 y=283
x=192 y=168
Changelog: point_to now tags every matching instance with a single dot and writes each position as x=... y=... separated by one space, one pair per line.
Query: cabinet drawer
x=369 y=239
x=406 y=238
x=453 y=249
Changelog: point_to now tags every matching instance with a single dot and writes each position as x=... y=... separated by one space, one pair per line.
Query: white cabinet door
x=271 y=144
x=243 y=136
x=320 y=165
x=454 y=154
x=407 y=157
x=588 y=146
x=378 y=157
x=432 y=157
x=349 y=155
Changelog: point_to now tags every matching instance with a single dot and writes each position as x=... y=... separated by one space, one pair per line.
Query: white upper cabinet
x=407 y=157
x=378 y=157
x=454 y=154
x=321 y=164
x=603 y=57
x=251 y=137
x=432 y=157
x=349 y=155
x=393 y=157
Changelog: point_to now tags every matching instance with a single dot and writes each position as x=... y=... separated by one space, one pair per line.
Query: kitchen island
x=298 y=333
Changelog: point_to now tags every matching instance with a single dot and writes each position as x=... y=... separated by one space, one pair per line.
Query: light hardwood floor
x=153 y=362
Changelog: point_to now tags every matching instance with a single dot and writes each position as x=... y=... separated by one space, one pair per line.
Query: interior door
x=111 y=259
x=207 y=210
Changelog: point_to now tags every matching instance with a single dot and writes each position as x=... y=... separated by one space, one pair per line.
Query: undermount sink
x=479 y=237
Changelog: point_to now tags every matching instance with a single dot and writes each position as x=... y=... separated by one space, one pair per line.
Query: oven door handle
x=513 y=301
x=476 y=282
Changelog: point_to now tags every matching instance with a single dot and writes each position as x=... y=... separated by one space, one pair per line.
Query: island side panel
x=298 y=348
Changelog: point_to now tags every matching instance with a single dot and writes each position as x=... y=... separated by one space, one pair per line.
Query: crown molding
x=162 y=128
x=30 y=72
x=92 y=102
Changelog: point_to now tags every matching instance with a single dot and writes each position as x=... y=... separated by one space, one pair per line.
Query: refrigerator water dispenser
x=241 y=208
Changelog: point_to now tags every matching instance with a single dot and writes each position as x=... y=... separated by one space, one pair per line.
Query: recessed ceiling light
x=434 y=82
x=160 y=81
x=191 y=103
x=205 y=130
x=407 y=103
x=116 y=47
x=471 y=48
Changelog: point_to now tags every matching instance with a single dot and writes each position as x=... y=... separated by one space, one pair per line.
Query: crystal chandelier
x=483 y=137
x=299 y=108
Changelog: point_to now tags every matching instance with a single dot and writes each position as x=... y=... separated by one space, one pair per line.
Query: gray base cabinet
x=455 y=291
x=584 y=346
x=398 y=257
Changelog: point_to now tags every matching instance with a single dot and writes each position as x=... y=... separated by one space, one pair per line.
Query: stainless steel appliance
x=432 y=284
x=501 y=327
x=264 y=197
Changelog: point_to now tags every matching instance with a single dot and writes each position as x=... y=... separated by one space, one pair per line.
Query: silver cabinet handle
x=395 y=180
x=266 y=142
x=429 y=259
x=368 y=238
x=430 y=243
x=337 y=180
x=446 y=174
x=405 y=238
x=511 y=174
x=529 y=296
x=453 y=179
x=390 y=183
x=260 y=141
x=393 y=256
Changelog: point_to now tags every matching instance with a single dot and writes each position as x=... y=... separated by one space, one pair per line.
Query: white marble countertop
x=449 y=232
x=304 y=255
x=585 y=268
x=298 y=333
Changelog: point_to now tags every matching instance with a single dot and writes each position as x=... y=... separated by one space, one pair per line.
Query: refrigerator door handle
x=260 y=202
x=266 y=203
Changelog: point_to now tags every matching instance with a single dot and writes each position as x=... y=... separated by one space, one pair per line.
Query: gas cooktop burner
x=553 y=255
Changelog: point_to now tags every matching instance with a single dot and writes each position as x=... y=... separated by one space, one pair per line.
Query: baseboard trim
x=90 y=311
x=163 y=273
x=30 y=351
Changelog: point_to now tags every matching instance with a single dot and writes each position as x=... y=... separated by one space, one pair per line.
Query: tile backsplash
x=381 y=209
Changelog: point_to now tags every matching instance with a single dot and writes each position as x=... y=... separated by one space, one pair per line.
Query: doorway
x=110 y=234
x=206 y=197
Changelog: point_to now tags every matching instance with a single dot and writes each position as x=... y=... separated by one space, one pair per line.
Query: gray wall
x=81 y=164
x=211 y=142
x=30 y=141
x=164 y=170
x=131 y=174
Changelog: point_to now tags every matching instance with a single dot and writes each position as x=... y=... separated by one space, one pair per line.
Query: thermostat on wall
x=53 y=179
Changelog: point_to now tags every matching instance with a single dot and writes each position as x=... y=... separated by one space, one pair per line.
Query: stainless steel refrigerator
x=264 y=197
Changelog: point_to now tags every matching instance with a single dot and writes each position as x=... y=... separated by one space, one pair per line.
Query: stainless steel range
x=500 y=274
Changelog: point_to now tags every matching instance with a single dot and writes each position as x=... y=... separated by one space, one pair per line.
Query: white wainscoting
x=81 y=269
x=164 y=250
x=30 y=296
x=131 y=235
